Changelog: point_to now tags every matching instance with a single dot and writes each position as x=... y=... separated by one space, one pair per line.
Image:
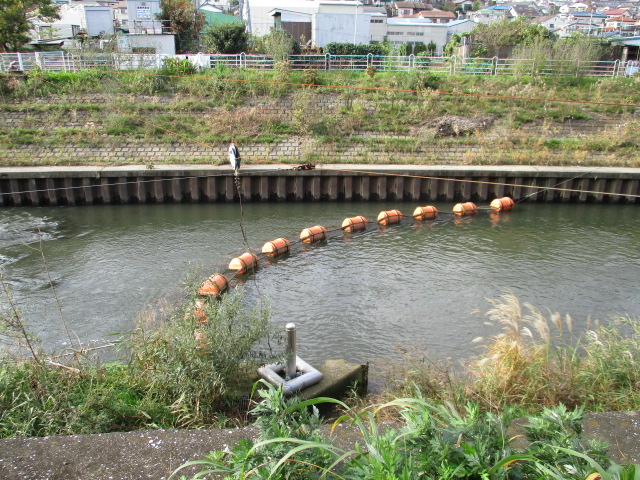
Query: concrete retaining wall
x=117 y=185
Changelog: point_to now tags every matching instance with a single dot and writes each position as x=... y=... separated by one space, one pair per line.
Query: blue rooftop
x=588 y=15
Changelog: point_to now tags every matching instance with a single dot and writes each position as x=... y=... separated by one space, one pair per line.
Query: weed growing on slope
x=427 y=440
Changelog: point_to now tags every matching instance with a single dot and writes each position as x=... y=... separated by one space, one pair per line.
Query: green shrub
x=336 y=48
x=430 y=441
x=175 y=66
x=180 y=372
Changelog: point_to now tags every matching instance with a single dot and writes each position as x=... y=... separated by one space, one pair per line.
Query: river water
x=356 y=296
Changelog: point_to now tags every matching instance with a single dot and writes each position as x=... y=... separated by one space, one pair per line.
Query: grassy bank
x=179 y=372
x=426 y=440
x=395 y=112
x=440 y=425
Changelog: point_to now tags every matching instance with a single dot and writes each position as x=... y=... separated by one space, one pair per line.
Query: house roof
x=398 y=21
x=459 y=22
x=215 y=18
x=630 y=41
x=621 y=19
x=616 y=12
x=435 y=14
x=498 y=7
x=414 y=5
x=526 y=10
x=588 y=15
x=544 y=18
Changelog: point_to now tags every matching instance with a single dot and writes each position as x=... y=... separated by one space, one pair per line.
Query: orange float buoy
x=425 y=213
x=467 y=208
x=199 y=312
x=276 y=247
x=502 y=204
x=313 y=234
x=389 y=217
x=354 y=224
x=213 y=286
x=245 y=262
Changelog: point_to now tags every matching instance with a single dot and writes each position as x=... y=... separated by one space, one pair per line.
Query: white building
x=378 y=27
x=342 y=22
x=90 y=17
x=147 y=43
x=553 y=23
x=261 y=17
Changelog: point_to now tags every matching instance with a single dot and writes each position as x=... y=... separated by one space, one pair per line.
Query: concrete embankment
x=37 y=186
x=156 y=454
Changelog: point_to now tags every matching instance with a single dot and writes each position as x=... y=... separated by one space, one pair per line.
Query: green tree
x=507 y=33
x=449 y=6
x=226 y=38
x=455 y=42
x=186 y=23
x=16 y=19
x=278 y=43
x=564 y=56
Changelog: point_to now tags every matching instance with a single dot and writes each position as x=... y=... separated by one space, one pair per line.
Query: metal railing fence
x=74 y=61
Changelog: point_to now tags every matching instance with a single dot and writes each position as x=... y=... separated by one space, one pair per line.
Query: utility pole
x=245 y=13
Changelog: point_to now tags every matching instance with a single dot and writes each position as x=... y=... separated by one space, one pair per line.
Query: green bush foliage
x=179 y=372
x=175 y=66
x=226 y=38
x=336 y=48
x=278 y=43
x=433 y=441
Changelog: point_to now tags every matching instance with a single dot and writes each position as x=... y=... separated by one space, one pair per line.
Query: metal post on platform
x=290 y=366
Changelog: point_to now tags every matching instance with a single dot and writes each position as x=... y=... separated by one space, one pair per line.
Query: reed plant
x=538 y=361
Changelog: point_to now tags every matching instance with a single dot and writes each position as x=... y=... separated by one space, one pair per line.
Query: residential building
x=553 y=23
x=84 y=16
x=464 y=5
x=588 y=23
x=223 y=5
x=297 y=24
x=378 y=27
x=262 y=20
x=492 y=14
x=525 y=11
x=415 y=31
x=408 y=9
x=120 y=16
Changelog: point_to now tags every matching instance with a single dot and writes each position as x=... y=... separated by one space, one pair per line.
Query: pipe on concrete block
x=273 y=374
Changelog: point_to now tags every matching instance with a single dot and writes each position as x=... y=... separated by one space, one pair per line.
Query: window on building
x=143 y=50
x=376 y=20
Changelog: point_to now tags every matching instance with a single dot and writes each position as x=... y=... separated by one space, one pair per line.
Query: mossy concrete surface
x=340 y=379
